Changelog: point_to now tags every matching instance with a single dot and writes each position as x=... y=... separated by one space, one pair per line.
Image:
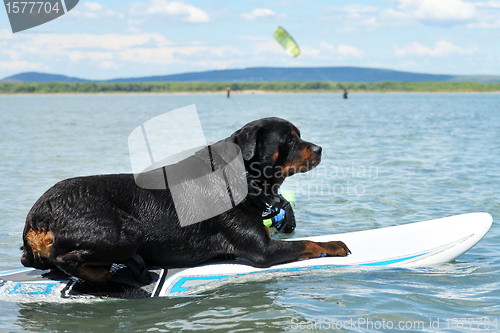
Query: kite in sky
x=287 y=41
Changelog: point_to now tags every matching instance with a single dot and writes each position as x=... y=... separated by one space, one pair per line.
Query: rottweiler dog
x=83 y=225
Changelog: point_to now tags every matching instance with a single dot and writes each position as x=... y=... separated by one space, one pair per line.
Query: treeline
x=159 y=87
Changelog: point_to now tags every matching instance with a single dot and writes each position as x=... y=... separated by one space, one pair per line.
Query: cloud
x=344 y=51
x=349 y=51
x=356 y=12
x=262 y=44
x=177 y=9
x=109 y=51
x=55 y=43
x=136 y=12
x=441 y=49
x=169 y=55
x=440 y=12
x=470 y=14
x=308 y=51
x=21 y=65
x=90 y=55
x=494 y=23
x=94 y=10
x=99 y=50
x=12 y=54
x=488 y=4
x=489 y=14
x=261 y=14
x=329 y=52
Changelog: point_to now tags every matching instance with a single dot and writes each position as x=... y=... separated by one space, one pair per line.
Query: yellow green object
x=268 y=223
x=289 y=196
x=287 y=41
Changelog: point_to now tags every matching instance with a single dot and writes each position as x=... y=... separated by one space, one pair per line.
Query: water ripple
x=388 y=159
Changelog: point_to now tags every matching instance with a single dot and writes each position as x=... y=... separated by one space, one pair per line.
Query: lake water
x=388 y=159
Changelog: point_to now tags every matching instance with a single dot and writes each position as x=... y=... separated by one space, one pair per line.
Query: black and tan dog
x=84 y=225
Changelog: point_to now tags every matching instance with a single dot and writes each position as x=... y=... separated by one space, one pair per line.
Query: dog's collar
x=270 y=206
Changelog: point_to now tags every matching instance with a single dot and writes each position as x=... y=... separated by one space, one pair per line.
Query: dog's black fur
x=83 y=225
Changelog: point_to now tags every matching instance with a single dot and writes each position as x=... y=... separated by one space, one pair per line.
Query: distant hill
x=41 y=77
x=268 y=74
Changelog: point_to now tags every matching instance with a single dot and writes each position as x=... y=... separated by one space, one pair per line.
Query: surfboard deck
x=409 y=245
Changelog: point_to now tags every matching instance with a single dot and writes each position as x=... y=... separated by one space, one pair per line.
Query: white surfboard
x=410 y=245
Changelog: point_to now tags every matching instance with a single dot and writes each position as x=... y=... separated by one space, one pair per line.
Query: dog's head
x=273 y=150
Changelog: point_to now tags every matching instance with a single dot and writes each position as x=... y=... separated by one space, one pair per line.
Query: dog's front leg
x=262 y=251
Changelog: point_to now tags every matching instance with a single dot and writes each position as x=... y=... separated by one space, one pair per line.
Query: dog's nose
x=316 y=149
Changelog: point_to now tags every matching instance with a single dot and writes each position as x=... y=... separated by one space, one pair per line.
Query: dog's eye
x=290 y=140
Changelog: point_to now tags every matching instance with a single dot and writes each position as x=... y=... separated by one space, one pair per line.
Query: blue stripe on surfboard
x=44 y=288
x=393 y=261
x=178 y=286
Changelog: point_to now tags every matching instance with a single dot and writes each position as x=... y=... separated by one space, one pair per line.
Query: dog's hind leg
x=75 y=263
x=88 y=246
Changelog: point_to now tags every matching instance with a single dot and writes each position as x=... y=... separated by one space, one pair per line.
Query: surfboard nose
x=484 y=221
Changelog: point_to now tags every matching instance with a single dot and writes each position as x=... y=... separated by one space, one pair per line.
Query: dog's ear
x=247 y=138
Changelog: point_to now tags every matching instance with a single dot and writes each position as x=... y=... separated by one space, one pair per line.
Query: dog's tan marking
x=41 y=242
x=305 y=157
x=315 y=249
x=275 y=156
x=306 y=154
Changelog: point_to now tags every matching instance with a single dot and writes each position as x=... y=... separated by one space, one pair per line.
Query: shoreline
x=246 y=88
x=249 y=92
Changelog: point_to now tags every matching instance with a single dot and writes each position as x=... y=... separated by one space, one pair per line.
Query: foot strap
x=138 y=267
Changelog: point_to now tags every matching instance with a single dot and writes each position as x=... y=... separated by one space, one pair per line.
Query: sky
x=128 y=38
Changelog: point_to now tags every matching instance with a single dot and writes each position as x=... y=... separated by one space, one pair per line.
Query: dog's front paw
x=336 y=249
x=323 y=249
